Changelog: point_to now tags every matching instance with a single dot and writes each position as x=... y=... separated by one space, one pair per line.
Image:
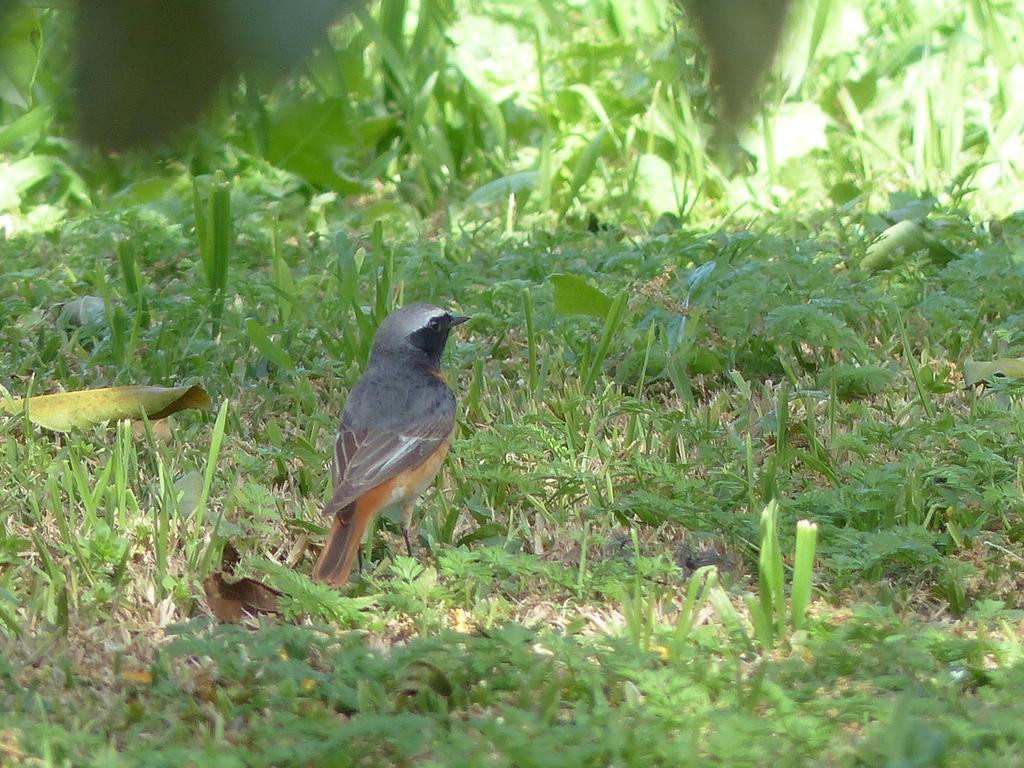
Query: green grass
x=670 y=330
x=582 y=492
x=513 y=696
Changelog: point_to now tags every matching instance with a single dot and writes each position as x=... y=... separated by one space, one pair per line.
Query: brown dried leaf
x=229 y=558
x=230 y=602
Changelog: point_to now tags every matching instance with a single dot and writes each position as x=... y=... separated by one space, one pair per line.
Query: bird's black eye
x=434 y=324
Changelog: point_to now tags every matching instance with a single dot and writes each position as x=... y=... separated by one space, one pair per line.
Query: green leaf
x=594 y=102
x=22 y=175
x=900 y=240
x=189 y=487
x=575 y=296
x=978 y=372
x=494 y=57
x=771 y=579
x=585 y=165
x=803 y=568
x=656 y=184
x=498 y=190
x=325 y=143
x=136 y=81
x=28 y=128
x=83 y=311
x=262 y=341
x=143 y=192
x=856 y=382
x=612 y=324
x=20 y=52
x=8 y=617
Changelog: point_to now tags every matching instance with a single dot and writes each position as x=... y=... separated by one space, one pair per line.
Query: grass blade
x=612 y=324
x=803 y=567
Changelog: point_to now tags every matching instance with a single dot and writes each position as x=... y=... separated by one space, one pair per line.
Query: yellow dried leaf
x=137 y=676
x=65 y=411
x=460 y=621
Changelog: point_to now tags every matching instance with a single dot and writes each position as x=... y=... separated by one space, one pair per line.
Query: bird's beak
x=459 y=320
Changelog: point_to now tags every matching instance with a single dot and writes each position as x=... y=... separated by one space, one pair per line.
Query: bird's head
x=417 y=329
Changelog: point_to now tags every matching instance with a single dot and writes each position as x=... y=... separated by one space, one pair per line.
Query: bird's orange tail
x=339 y=553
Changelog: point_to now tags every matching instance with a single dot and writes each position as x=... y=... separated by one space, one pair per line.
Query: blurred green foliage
x=599 y=110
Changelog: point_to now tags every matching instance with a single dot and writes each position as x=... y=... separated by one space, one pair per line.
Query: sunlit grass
x=596 y=583
x=594 y=509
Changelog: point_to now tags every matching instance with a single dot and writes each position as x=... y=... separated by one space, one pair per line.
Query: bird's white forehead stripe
x=413 y=317
x=425 y=316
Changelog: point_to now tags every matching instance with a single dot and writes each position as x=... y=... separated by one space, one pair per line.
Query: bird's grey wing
x=366 y=457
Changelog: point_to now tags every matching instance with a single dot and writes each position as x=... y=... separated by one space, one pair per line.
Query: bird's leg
x=405 y=525
x=408 y=541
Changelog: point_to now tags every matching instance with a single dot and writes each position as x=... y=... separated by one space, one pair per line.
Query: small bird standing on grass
x=395 y=430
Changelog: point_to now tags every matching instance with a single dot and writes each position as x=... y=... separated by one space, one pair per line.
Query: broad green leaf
x=908 y=205
x=994 y=370
x=855 y=382
x=270 y=350
x=584 y=166
x=594 y=102
x=86 y=408
x=636 y=19
x=901 y=239
x=498 y=190
x=398 y=65
x=511 y=75
x=702 y=361
x=656 y=184
x=697 y=278
x=771 y=578
x=8 y=617
x=20 y=51
x=142 y=192
x=493 y=116
x=575 y=296
x=21 y=175
x=190 y=489
x=612 y=323
x=324 y=143
x=422 y=100
x=86 y=310
x=28 y=128
x=803 y=568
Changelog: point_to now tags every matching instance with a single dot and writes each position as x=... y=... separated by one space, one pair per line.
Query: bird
x=396 y=428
